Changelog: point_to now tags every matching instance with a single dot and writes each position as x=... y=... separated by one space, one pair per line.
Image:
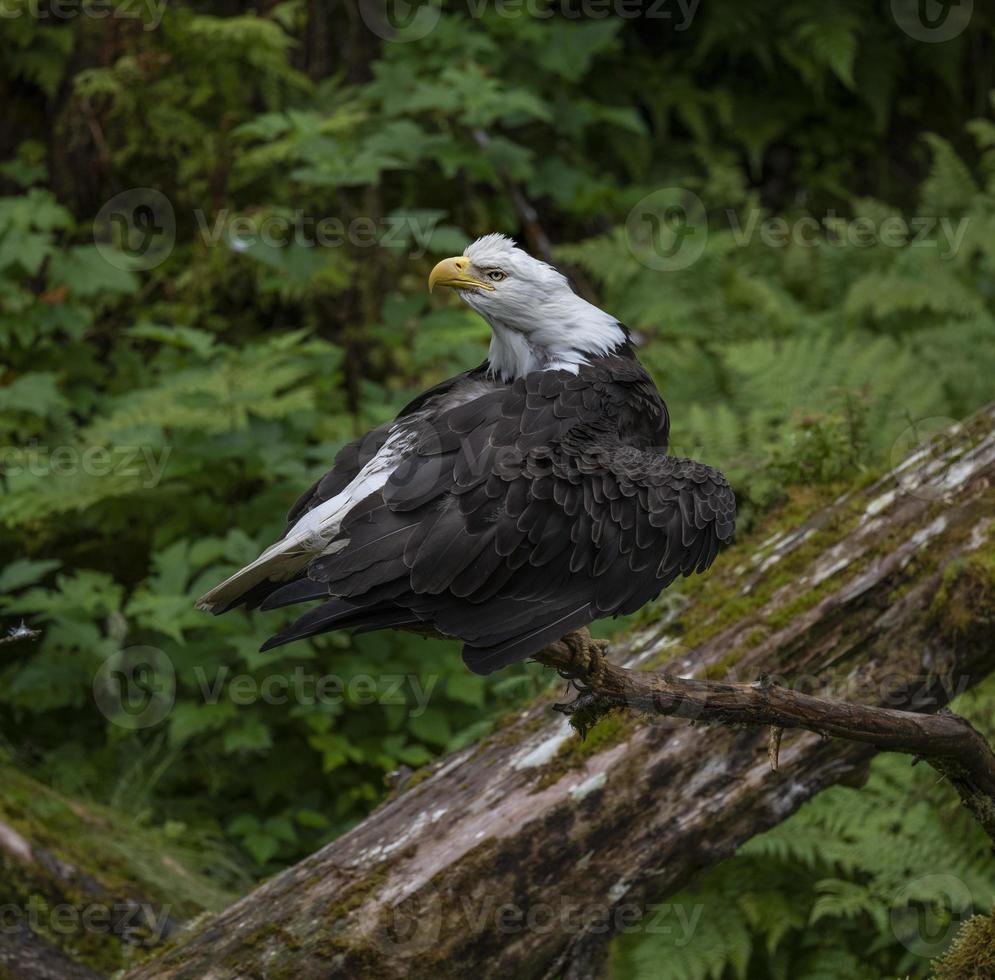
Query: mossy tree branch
x=948 y=742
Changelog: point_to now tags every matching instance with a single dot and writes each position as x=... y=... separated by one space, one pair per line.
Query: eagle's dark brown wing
x=353 y=456
x=520 y=515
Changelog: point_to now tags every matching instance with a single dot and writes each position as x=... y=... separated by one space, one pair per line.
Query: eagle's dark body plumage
x=522 y=511
x=506 y=506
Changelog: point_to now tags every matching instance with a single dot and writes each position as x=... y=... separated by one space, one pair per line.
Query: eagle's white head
x=538 y=322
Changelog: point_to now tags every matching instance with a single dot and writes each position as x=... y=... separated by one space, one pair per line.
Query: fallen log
x=83 y=892
x=524 y=854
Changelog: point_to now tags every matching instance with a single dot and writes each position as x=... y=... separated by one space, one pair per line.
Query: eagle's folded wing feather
x=511 y=521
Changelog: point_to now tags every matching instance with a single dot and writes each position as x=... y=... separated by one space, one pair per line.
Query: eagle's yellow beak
x=452 y=272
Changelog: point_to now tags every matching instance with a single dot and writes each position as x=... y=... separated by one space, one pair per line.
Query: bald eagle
x=507 y=506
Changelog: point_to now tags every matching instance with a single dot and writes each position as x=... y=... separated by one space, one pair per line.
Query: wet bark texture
x=83 y=893
x=26 y=956
x=884 y=597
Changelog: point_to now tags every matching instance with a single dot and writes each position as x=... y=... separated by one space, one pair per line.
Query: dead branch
x=948 y=742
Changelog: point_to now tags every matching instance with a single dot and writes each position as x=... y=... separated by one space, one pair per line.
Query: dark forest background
x=216 y=225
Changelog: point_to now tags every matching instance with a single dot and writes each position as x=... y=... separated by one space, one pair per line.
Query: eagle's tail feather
x=300 y=590
x=485 y=660
x=252 y=598
x=341 y=614
x=276 y=564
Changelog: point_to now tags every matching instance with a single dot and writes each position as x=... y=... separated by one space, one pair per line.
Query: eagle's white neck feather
x=559 y=336
x=537 y=321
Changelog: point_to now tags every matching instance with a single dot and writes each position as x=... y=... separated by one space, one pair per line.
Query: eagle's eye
x=497 y=276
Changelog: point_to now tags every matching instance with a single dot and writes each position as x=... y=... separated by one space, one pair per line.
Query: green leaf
x=187 y=338
x=84 y=271
x=261 y=846
x=468 y=688
x=432 y=727
x=25 y=571
x=34 y=393
x=26 y=249
x=250 y=735
x=312 y=819
x=190 y=719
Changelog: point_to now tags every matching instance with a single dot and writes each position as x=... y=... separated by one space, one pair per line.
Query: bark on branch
x=948 y=742
x=883 y=598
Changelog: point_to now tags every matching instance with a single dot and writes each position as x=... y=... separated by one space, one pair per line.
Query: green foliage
x=155 y=423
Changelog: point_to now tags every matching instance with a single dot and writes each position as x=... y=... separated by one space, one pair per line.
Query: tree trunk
x=521 y=856
x=84 y=893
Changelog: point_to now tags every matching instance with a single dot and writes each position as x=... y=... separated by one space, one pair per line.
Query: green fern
x=950 y=187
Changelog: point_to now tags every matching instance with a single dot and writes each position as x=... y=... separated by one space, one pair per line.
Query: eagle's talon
x=582 y=702
x=586 y=654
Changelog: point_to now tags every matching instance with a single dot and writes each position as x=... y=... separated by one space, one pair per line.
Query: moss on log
x=83 y=892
